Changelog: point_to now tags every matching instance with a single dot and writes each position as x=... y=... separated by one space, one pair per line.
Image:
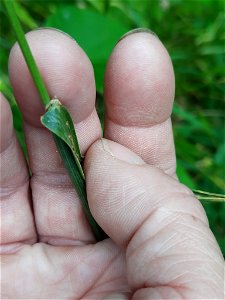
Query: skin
x=160 y=244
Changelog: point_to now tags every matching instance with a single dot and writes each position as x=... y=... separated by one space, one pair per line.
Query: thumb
x=159 y=222
x=123 y=191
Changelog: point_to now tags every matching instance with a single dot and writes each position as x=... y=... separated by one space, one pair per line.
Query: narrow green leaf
x=57 y=119
x=79 y=182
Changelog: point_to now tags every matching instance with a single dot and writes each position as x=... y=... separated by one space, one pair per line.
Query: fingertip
x=6 y=126
x=139 y=81
x=66 y=71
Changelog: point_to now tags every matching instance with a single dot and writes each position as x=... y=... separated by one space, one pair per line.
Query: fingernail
x=120 y=152
x=137 y=30
x=55 y=29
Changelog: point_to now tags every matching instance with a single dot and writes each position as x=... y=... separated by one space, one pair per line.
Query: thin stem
x=27 y=52
x=213 y=199
x=208 y=193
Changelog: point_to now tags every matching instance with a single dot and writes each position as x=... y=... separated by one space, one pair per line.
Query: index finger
x=68 y=75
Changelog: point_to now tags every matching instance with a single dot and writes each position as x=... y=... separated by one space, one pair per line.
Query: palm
x=47 y=247
x=86 y=272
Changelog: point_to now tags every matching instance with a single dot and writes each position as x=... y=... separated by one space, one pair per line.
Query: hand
x=160 y=244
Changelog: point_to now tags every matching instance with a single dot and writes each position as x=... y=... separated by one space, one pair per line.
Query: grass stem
x=9 y=4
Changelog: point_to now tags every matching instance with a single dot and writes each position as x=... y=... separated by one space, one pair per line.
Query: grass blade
x=57 y=119
x=79 y=182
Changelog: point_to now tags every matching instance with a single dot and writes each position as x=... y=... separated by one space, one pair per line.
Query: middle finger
x=139 y=92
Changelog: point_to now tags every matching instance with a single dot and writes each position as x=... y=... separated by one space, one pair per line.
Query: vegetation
x=192 y=31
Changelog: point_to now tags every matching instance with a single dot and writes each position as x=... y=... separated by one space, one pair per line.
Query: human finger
x=17 y=223
x=157 y=221
x=68 y=75
x=139 y=93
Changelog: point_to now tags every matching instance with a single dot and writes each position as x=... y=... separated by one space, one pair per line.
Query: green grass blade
x=79 y=182
x=9 y=4
x=57 y=119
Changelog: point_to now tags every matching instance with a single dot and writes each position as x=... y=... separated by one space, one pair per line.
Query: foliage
x=193 y=32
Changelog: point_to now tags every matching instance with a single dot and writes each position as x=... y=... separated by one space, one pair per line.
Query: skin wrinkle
x=163 y=249
x=18 y=165
x=144 y=242
x=13 y=248
x=192 y=215
x=215 y=281
x=157 y=289
x=196 y=229
x=135 y=234
x=183 y=195
x=183 y=260
x=6 y=132
x=190 y=271
x=8 y=192
x=141 y=245
x=196 y=271
x=72 y=211
x=159 y=280
x=103 y=286
x=139 y=126
x=183 y=238
x=92 y=283
x=14 y=216
x=159 y=230
x=208 y=240
x=95 y=284
x=180 y=276
x=11 y=141
x=69 y=242
x=138 y=139
x=49 y=179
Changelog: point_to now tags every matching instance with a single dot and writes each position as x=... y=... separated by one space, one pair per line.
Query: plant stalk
x=9 y=4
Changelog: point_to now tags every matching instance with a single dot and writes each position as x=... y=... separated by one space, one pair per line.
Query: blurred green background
x=193 y=32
